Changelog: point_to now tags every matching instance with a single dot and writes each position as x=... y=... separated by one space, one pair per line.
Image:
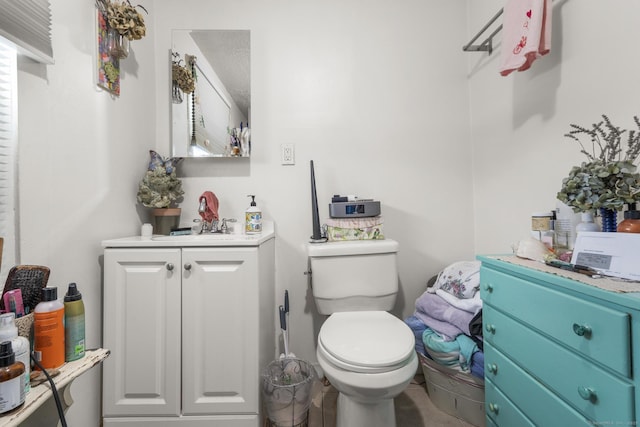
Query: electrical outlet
x=287 y=154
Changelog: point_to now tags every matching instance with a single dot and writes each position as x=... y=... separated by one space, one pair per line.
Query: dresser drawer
x=560 y=369
x=500 y=410
x=528 y=394
x=589 y=329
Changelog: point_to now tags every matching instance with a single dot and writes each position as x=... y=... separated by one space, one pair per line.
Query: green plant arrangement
x=160 y=187
x=609 y=179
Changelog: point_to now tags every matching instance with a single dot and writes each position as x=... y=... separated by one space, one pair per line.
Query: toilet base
x=356 y=414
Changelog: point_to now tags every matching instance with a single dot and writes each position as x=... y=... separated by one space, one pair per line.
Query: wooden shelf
x=40 y=394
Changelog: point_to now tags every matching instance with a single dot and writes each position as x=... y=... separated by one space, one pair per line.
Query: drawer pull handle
x=490 y=328
x=587 y=393
x=582 y=330
x=170 y=267
x=493 y=368
x=493 y=407
x=488 y=287
x=187 y=266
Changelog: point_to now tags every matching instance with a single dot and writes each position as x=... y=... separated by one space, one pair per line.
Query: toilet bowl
x=369 y=357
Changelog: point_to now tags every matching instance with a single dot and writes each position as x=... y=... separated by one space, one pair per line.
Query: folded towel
x=477 y=364
x=418 y=328
x=445 y=329
x=527 y=34
x=471 y=305
x=433 y=306
x=457 y=353
x=211 y=213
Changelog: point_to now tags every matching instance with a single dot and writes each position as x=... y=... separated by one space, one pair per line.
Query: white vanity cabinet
x=190 y=327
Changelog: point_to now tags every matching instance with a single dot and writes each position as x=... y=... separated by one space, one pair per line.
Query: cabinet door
x=142 y=330
x=220 y=330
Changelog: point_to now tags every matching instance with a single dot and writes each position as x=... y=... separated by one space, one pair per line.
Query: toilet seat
x=366 y=341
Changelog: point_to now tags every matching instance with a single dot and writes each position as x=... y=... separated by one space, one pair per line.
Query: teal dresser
x=561 y=349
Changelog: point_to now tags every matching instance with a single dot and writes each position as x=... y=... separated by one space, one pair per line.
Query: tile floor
x=413 y=408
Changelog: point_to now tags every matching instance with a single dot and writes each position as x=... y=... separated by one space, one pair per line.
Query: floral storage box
x=339 y=229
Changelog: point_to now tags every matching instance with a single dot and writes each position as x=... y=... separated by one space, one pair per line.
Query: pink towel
x=211 y=213
x=527 y=34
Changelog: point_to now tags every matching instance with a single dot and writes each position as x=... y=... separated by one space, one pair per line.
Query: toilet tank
x=354 y=275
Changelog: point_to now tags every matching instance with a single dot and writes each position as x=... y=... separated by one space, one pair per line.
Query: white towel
x=527 y=34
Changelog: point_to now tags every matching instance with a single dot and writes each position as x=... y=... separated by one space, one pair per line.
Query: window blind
x=27 y=24
x=8 y=155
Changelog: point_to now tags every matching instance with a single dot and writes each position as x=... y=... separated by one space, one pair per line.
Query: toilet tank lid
x=352 y=247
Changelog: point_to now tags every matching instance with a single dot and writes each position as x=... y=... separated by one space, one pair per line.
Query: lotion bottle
x=253 y=218
x=73 y=324
x=20 y=345
x=587 y=223
x=11 y=379
x=49 y=330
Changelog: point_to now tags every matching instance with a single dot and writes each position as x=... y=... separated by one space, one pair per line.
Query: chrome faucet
x=211 y=227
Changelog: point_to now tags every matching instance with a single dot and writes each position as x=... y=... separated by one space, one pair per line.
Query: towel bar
x=487 y=45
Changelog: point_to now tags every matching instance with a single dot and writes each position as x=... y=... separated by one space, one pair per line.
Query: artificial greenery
x=159 y=189
x=608 y=180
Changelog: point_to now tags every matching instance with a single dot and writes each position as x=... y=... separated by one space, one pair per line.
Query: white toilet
x=367 y=354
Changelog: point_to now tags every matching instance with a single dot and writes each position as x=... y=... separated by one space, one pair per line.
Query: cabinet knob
x=493 y=368
x=170 y=267
x=187 y=266
x=587 y=393
x=493 y=407
x=488 y=287
x=490 y=328
x=582 y=330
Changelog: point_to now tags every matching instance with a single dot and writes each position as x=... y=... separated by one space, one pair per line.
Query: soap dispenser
x=253 y=218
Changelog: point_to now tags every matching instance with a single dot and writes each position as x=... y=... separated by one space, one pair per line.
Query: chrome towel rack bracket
x=487 y=44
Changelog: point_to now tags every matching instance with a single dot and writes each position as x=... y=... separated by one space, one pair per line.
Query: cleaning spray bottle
x=20 y=345
x=253 y=218
x=49 y=329
x=73 y=324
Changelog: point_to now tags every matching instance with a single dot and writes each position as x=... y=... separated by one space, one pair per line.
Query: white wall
x=376 y=95
x=82 y=154
x=520 y=155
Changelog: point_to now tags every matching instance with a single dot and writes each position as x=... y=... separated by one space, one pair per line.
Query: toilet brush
x=286 y=312
x=284 y=320
x=283 y=328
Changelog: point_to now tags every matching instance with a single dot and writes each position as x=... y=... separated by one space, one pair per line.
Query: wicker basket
x=25 y=325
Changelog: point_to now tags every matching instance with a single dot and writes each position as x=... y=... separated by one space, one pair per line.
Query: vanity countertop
x=195 y=240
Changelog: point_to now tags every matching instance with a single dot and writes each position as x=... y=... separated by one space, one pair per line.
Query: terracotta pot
x=165 y=219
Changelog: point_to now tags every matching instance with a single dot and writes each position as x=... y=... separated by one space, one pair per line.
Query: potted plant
x=609 y=179
x=161 y=189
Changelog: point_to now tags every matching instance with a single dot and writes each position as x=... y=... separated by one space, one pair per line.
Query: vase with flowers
x=161 y=189
x=609 y=179
x=124 y=24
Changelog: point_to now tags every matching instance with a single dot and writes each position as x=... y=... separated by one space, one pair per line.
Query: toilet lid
x=366 y=340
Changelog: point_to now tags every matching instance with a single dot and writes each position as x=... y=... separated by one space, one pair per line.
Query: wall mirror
x=214 y=119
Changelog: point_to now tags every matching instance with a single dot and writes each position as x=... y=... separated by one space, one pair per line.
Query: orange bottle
x=49 y=329
x=631 y=223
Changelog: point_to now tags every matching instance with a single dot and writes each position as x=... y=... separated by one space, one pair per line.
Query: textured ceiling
x=228 y=52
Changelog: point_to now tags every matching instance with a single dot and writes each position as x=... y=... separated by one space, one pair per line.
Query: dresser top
x=615 y=290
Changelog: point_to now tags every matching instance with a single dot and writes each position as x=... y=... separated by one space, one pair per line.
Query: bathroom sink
x=195 y=240
x=205 y=237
